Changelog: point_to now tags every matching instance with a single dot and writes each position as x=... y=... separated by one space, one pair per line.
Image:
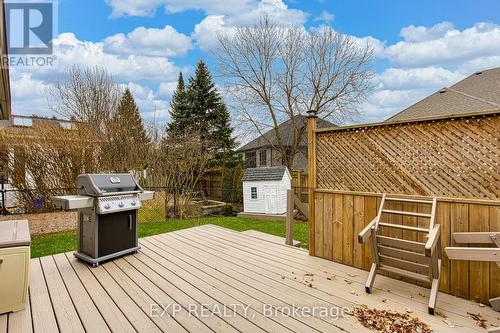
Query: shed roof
x=264 y=173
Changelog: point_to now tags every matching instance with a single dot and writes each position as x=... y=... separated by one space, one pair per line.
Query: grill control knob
x=107 y=206
x=133 y=203
x=120 y=204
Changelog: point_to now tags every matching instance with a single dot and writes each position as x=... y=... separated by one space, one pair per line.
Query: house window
x=263 y=157
x=254 y=192
x=250 y=159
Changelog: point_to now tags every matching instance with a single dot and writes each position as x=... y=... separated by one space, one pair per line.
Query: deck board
x=272 y=293
x=67 y=317
x=88 y=313
x=213 y=266
x=336 y=291
x=227 y=294
x=110 y=312
x=3 y=323
x=20 y=322
x=44 y=319
x=404 y=293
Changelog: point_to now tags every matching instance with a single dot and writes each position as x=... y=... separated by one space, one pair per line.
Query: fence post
x=2 y=190
x=289 y=217
x=311 y=171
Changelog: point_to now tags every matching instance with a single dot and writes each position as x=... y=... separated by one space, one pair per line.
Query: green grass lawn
x=43 y=245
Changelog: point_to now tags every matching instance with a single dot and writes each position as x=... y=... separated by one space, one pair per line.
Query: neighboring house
x=264 y=152
x=476 y=93
x=265 y=190
x=23 y=126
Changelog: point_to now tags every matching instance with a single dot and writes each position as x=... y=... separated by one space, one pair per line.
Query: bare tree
x=178 y=165
x=88 y=95
x=91 y=96
x=275 y=73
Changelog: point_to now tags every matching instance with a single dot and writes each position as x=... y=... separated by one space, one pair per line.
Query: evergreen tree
x=129 y=139
x=209 y=115
x=179 y=110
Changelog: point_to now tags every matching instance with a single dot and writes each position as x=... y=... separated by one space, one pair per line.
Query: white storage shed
x=265 y=188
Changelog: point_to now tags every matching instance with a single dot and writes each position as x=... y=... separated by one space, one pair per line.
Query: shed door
x=271 y=200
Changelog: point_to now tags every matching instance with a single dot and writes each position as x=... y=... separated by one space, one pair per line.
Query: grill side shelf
x=68 y=202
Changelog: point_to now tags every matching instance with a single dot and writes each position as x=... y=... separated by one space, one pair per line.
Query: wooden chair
x=491 y=254
x=408 y=258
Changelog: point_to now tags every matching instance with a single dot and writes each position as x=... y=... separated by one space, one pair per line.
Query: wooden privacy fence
x=456 y=160
x=340 y=216
x=444 y=157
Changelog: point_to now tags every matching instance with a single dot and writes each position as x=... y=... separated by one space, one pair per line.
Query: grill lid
x=107 y=184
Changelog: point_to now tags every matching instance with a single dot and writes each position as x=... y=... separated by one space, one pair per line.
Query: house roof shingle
x=478 y=92
x=264 y=173
x=285 y=130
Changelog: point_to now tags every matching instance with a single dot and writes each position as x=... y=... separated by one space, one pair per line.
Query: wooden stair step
x=399 y=212
x=400 y=226
x=404 y=264
x=402 y=272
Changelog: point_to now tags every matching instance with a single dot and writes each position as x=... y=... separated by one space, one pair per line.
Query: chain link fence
x=167 y=204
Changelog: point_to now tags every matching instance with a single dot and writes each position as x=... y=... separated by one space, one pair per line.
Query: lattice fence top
x=449 y=157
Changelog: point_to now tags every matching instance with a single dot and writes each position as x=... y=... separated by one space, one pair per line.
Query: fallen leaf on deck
x=480 y=321
x=389 y=321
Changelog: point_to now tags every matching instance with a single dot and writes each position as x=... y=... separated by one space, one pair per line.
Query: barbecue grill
x=107 y=215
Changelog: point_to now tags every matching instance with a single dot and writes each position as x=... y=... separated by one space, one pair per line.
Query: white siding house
x=265 y=188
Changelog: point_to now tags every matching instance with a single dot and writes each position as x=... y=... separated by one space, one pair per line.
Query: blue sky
x=420 y=46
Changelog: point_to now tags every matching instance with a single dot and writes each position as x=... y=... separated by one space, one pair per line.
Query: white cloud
x=166 y=88
x=148 y=7
x=277 y=10
x=71 y=51
x=446 y=48
x=207 y=31
x=221 y=17
x=138 y=72
x=383 y=103
x=150 y=105
x=210 y=7
x=165 y=42
x=325 y=16
x=431 y=78
x=397 y=88
x=28 y=94
x=427 y=59
x=421 y=33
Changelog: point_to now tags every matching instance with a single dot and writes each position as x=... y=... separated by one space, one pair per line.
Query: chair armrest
x=434 y=236
x=365 y=233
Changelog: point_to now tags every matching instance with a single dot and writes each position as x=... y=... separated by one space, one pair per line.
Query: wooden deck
x=215 y=266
